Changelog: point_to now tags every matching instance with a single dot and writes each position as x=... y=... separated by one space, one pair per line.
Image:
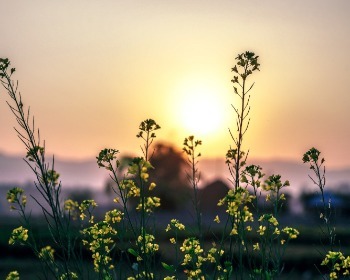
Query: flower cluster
x=175 y=225
x=339 y=264
x=52 y=177
x=237 y=202
x=142 y=275
x=69 y=275
x=150 y=204
x=13 y=275
x=130 y=188
x=274 y=184
x=106 y=157
x=140 y=167
x=193 y=258
x=16 y=196
x=146 y=244
x=99 y=240
x=46 y=254
x=32 y=154
x=72 y=208
x=291 y=232
x=114 y=216
x=87 y=206
x=19 y=235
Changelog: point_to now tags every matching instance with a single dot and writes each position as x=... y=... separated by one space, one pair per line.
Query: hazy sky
x=93 y=70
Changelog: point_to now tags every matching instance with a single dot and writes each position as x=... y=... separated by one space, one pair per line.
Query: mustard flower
x=152 y=186
x=32 y=154
x=193 y=258
x=150 y=204
x=69 y=275
x=114 y=216
x=46 y=254
x=19 y=234
x=99 y=240
x=147 y=244
x=52 y=177
x=72 y=207
x=87 y=205
x=106 y=157
x=292 y=233
x=16 y=196
x=13 y=275
x=217 y=219
x=261 y=230
x=175 y=224
x=256 y=247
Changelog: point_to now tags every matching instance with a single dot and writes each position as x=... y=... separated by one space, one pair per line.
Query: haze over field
x=92 y=71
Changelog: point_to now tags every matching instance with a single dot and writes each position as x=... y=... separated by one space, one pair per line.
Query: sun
x=200 y=111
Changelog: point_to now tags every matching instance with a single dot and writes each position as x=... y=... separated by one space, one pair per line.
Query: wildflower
x=261 y=230
x=46 y=254
x=19 y=234
x=99 y=239
x=217 y=219
x=234 y=231
x=16 y=196
x=152 y=186
x=150 y=204
x=175 y=224
x=256 y=247
x=32 y=154
x=72 y=207
x=13 y=275
x=87 y=205
x=193 y=258
x=283 y=241
x=106 y=157
x=292 y=233
x=114 y=216
x=274 y=184
x=172 y=240
x=69 y=275
x=147 y=244
x=52 y=177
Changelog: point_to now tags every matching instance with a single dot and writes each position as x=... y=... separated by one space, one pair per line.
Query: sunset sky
x=91 y=71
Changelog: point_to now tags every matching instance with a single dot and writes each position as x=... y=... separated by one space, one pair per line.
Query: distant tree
x=169 y=174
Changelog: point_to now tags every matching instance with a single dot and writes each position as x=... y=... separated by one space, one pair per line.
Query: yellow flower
x=172 y=241
x=13 y=275
x=19 y=234
x=46 y=254
x=256 y=247
x=152 y=186
x=217 y=219
x=261 y=230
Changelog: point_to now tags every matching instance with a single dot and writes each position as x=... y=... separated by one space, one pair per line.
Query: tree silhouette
x=170 y=176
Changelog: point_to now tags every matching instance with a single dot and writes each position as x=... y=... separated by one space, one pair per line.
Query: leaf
x=168 y=267
x=133 y=252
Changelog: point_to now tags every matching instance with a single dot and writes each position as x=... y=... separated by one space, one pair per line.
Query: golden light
x=201 y=111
